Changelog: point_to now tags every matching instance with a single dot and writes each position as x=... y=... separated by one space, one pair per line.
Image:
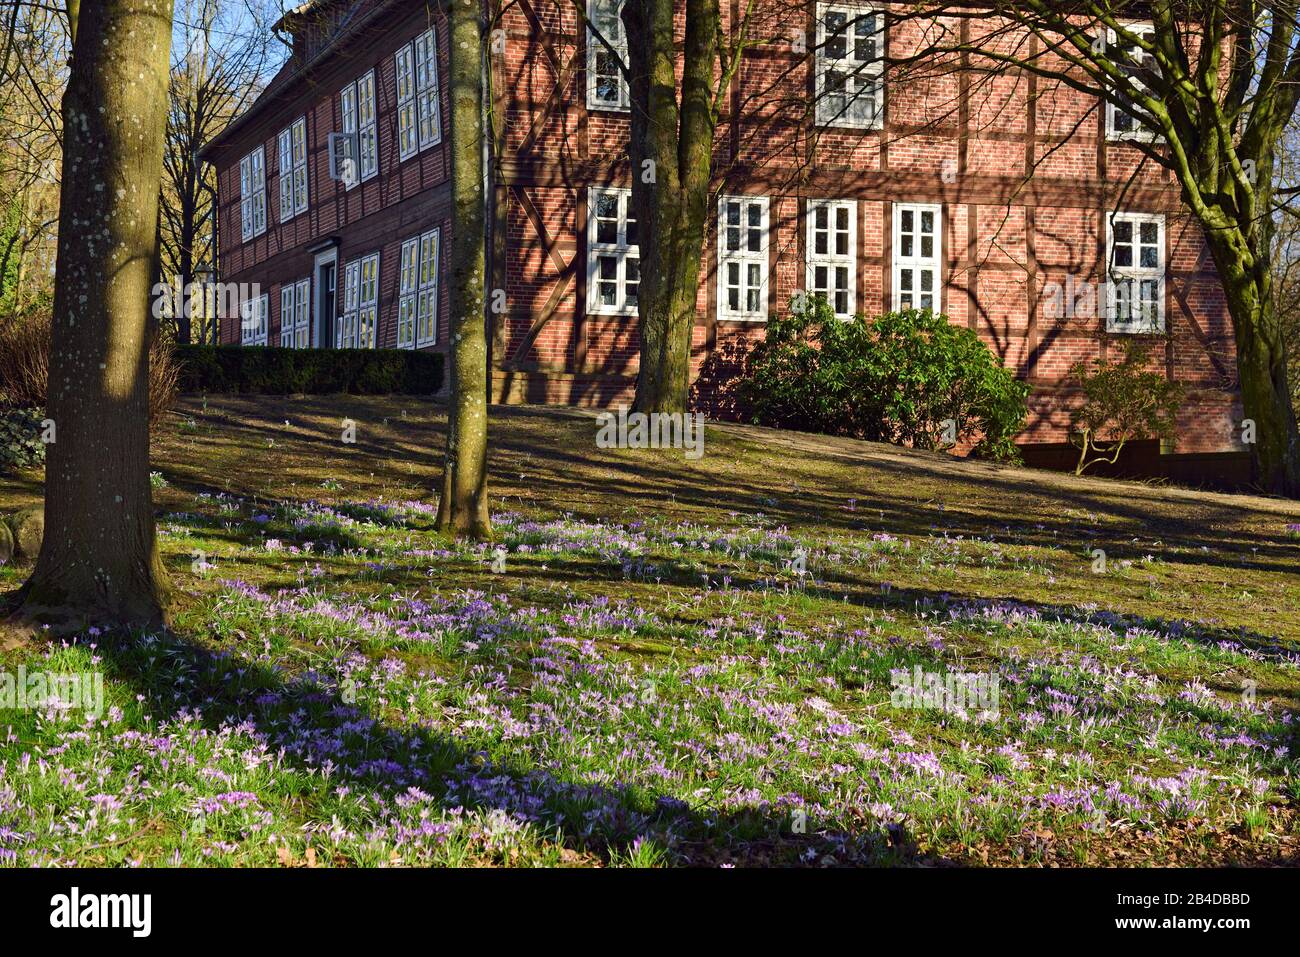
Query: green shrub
x=1122 y=401
x=910 y=378
x=20 y=439
x=274 y=371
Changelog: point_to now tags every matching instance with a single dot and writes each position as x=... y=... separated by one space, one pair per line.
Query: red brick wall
x=1020 y=165
x=406 y=197
x=1024 y=190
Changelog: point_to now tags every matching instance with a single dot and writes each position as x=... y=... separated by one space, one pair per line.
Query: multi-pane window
x=417 y=303
x=916 y=251
x=832 y=248
x=1136 y=273
x=407 y=135
x=613 y=258
x=356 y=328
x=293 y=169
x=253 y=320
x=361 y=136
x=606 y=86
x=419 y=113
x=295 y=333
x=742 y=257
x=348 y=106
x=1129 y=121
x=286 y=315
x=850 y=65
x=252 y=194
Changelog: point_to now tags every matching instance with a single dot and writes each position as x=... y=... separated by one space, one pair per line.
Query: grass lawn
x=681 y=662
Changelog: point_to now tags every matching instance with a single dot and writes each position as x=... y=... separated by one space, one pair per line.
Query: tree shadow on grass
x=309 y=718
x=970 y=498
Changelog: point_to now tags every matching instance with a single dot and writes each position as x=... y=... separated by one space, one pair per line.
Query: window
x=348 y=106
x=293 y=169
x=360 y=304
x=417 y=304
x=252 y=320
x=295 y=333
x=613 y=259
x=742 y=257
x=419 y=112
x=252 y=194
x=1130 y=122
x=606 y=87
x=361 y=143
x=832 y=253
x=407 y=135
x=1135 y=258
x=917 y=246
x=850 y=66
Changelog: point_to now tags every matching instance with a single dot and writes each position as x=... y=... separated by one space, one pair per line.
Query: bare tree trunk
x=1261 y=359
x=672 y=164
x=463 y=507
x=99 y=560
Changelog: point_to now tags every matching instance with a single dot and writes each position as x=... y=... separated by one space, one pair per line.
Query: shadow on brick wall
x=1221 y=471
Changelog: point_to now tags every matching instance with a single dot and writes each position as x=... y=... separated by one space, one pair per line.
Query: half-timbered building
x=1015 y=205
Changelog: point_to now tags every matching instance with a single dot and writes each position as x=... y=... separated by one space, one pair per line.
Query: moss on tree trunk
x=1261 y=361
x=463 y=506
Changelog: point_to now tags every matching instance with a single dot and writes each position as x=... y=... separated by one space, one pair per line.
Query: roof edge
x=263 y=101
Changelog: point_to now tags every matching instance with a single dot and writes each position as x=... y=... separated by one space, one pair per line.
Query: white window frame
x=622 y=102
x=345 y=330
x=359 y=112
x=417 y=301
x=621 y=252
x=348 y=113
x=358 y=326
x=408 y=141
x=1140 y=132
x=253 y=320
x=832 y=259
x=419 y=104
x=859 y=70
x=917 y=261
x=252 y=194
x=292 y=144
x=295 y=314
x=1119 y=278
x=743 y=257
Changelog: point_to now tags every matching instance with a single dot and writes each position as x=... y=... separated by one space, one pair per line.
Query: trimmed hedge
x=273 y=371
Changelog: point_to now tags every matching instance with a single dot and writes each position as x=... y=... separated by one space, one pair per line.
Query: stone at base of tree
x=6 y=544
x=27 y=526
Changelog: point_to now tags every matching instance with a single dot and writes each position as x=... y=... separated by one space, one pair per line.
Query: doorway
x=323 y=319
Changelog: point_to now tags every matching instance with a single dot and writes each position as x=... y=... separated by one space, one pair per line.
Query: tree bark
x=1261 y=358
x=99 y=560
x=463 y=506
x=672 y=166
